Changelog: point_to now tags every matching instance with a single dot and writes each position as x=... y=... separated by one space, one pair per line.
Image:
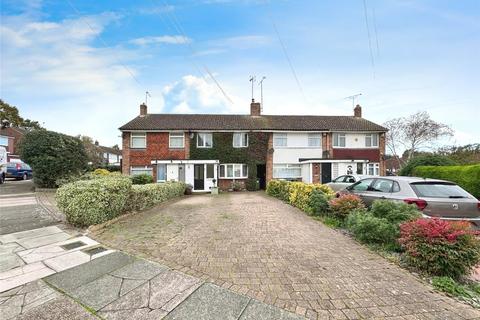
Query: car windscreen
x=438 y=190
x=11 y=165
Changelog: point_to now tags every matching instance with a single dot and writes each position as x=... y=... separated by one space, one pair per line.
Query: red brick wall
x=14 y=136
x=157 y=149
x=383 y=167
x=316 y=172
x=373 y=155
x=225 y=184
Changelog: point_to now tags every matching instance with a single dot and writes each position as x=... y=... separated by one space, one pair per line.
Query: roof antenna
x=353 y=98
x=261 y=92
x=252 y=80
x=147 y=94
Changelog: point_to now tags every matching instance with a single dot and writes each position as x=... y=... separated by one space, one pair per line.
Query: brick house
x=208 y=149
x=9 y=138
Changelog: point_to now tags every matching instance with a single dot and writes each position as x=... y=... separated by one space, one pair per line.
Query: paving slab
x=210 y=302
x=67 y=261
x=8 y=256
x=85 y=273
x=14 y=237
x=22 y=275
x=139 y=270
x=257 y=310
x=61 y=308
x=36 y=242
x=98 y=293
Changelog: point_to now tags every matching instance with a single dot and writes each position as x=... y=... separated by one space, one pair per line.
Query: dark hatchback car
x=19 y=171
x=435 y=198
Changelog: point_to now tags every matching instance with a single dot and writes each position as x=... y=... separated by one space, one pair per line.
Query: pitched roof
x=247 y=122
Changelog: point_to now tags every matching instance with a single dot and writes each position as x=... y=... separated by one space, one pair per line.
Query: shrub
x=345 y=204
x=278 y=189
x=395 y=212
x=439 y=247
x=425 y=160
x=141 y=178
x=318 y=202
x=147 y=195
x=467 y=177
x=253 y=184
x=52 y=156
x=101 y=172
x=368 y=228
x=94 y=201
x=299 y=194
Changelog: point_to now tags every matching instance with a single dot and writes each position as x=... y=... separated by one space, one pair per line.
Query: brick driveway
x=261 y=247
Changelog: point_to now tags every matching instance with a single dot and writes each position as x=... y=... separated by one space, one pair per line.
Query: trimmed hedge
x=468 y=177
x=142 y=178
x=144 y=196
x=425 y=160
x=101 y=198
x=93 y=201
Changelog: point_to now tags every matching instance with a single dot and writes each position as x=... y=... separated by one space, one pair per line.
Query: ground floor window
x=287 y=171
x=373 y=169
x=140 y=170
x=233 y=171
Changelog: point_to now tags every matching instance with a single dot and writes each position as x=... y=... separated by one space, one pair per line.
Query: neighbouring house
x=208 y=149
x=111 y=156
x=9 y=138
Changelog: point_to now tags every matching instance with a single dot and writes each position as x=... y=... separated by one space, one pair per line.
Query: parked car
x=19 y=171
x=344 y=181
x=435 y=198
x=3 y=164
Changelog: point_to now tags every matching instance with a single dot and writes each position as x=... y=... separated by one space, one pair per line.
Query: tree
x=414 y=133
x=52 y=156
x=10 y=117
x=94 y=154
x=467 y=154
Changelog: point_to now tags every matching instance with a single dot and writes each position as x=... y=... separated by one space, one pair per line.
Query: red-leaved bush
x=440 y=247
x=345 y=204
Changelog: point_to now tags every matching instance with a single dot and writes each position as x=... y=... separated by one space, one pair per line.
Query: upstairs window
x=371 y=140
x=176 y=140
x=204 y=140
x=339 y=140
x=138 y=140
x=314 y=140
x=279 y=139
x=4 y=141
x=240 y=140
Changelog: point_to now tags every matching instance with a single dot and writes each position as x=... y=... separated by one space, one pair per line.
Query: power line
x=375 y=29
x=105 y=44
x=369 y=37
x=179 y=28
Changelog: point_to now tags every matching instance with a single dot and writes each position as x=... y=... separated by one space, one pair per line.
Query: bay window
x=287 y=171
x=233 y=171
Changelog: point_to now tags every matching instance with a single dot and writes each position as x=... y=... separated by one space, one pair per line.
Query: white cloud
x=161 y=39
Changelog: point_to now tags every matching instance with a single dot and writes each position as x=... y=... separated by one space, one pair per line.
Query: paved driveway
x=19 y=208
x=261 y=247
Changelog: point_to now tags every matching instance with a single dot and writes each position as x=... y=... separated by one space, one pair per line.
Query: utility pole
x=261 y=92
x=252 y=80
x=353 y=97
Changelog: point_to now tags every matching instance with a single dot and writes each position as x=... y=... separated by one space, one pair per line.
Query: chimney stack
x=255 y=109
x=357 y=111
x=143 y=110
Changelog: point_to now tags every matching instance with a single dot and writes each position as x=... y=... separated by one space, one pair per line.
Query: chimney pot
x=255 y=109
x=357 y=111
x=143 y=110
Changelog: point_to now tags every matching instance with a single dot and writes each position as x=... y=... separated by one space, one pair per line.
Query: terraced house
x=248 y=150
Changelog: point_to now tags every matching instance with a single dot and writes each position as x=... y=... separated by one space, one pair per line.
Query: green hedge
x=93 y=201
x=468 y=177
x=425 y=160
x=144 y=196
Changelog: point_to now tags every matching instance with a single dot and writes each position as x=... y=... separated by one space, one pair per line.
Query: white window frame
x=143 y=169
x=314 y=137
x=205 y=134
x=287 y=167
x=138 y=135
x=373 y=140
x=337 y=138
x=234 y=166
x=243 y=140
x=4 y=138
x=280 y=136
x=176 y=135
x=375 y=166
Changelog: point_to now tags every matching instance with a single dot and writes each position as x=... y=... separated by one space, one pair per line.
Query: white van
x=3 y=164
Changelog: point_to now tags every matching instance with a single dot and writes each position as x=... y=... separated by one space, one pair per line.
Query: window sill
x=243 y=147
x=144 y=148
x=176 y=148
x=237 y=178
x=204 y=147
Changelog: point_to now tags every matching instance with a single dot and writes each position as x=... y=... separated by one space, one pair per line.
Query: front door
x=326 y=172
x=261 y=175
x=198 y=177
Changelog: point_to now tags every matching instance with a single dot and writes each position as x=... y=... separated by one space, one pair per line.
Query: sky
x=83 y=66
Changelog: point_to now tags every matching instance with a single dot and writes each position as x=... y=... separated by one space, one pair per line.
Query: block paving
x=258 y=246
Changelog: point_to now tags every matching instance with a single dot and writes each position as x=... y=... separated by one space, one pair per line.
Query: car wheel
x=25 y=176
x=2 y=179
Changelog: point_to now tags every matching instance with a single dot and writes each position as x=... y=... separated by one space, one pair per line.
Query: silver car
x=435 y=198
x=344 y=181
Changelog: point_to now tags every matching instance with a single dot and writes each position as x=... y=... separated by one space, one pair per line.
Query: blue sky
x=84 y=68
